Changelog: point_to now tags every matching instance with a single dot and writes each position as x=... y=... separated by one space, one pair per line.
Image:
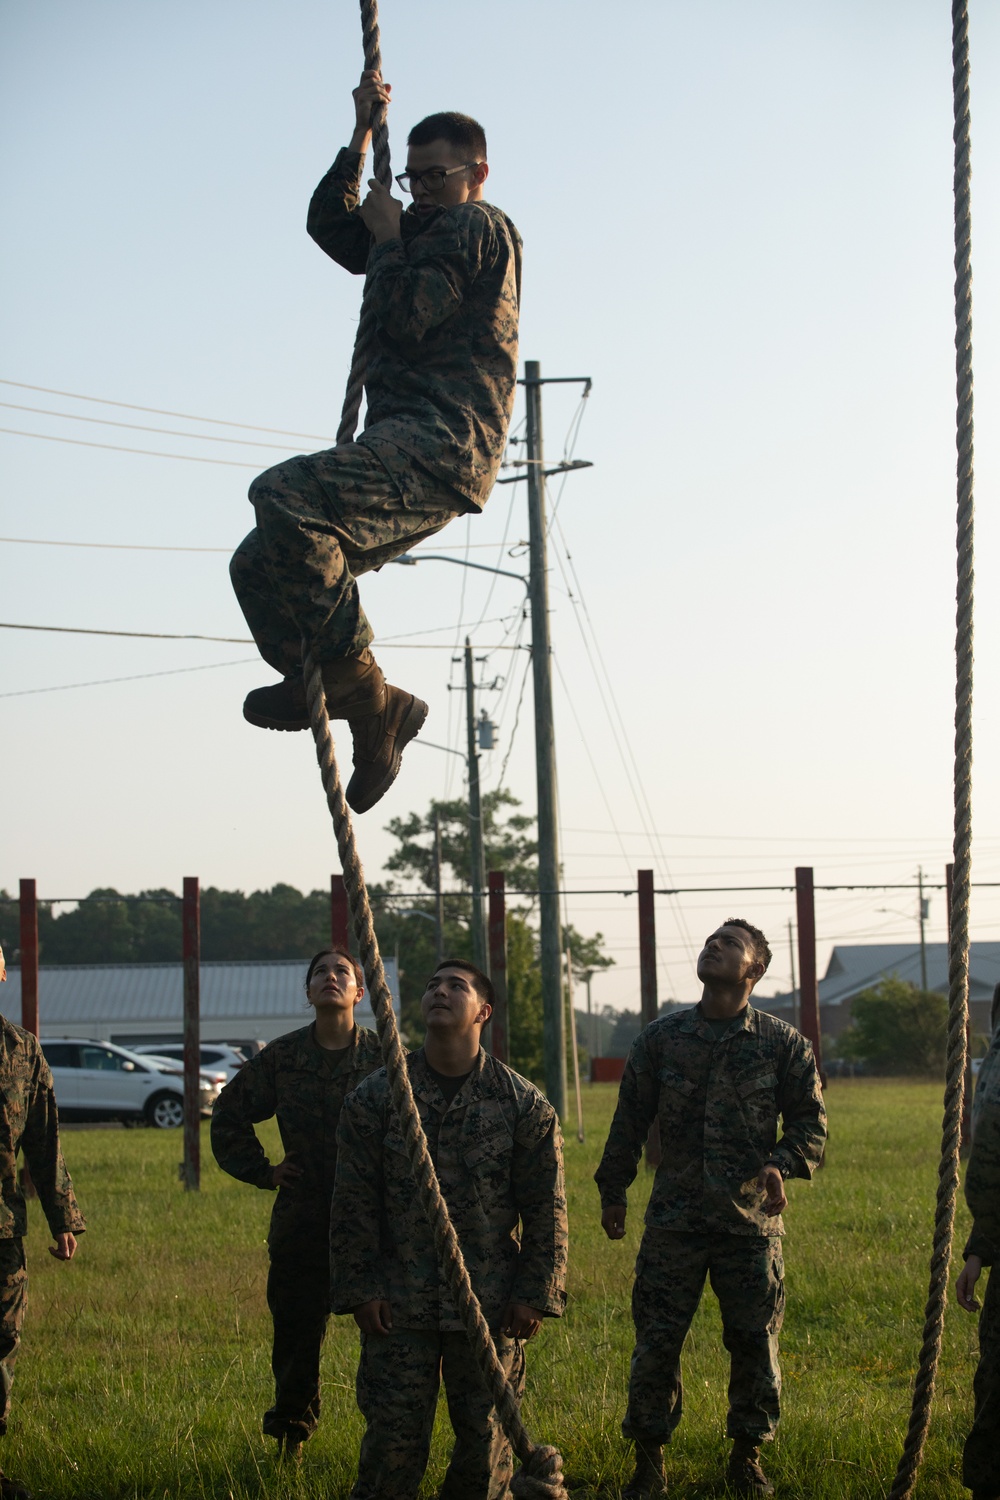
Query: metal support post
x=554 y=1037
x=477 y=853
x=191 y=922
x=648 y=1001
x=438 y=897
x=796 y=1018
x=500 y=1022
x=28 y=912
x=647 y=948
x=571 y=1022
x=805 y=910
x=339 y=918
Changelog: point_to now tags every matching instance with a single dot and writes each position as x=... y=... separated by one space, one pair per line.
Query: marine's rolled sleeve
x=540 y=1194
x=246 y=1101
x=43 y=1154
x=333 y=220
x=357 y=1210
x=636 y=1110
x=803 y=1114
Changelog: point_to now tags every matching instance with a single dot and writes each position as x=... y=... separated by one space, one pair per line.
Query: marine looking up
x=444 y=278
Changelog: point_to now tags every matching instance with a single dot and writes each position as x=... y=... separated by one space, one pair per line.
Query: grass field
x=145 y=1363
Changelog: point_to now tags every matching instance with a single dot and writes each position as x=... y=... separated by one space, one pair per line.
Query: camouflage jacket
x=982 y=1176
x=497 y=1149
x=29 y=1122
x=718 y=1102
x=292 y=1080
x=446 y=297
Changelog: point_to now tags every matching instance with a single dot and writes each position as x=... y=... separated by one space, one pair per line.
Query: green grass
x=145 y=1364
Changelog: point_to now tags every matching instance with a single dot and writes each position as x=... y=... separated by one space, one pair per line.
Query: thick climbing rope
x=364 y=339
x=540 y=1476
x=958 y=953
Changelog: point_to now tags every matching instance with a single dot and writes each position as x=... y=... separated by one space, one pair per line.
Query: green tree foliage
x=505 y=837
x=897 y=1029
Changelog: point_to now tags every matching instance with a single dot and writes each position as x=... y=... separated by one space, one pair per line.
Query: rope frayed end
x=541 y=1477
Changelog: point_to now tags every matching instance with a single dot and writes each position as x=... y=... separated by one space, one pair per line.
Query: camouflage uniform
x=294 y=1080
x=29 y=1122
x=981 y=1459
x=718 y=1100
x=498 y=1153
x=440 y=394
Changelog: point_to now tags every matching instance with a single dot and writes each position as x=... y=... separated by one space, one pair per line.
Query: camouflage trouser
x=298 y=1294
x=746 y=1276
x=321 y=521
x=13 y=1300
x=981 y=1459
x=398 y=1379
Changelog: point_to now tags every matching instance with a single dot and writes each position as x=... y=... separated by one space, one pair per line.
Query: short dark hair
x=481 y=983
x=460 y=131
x=341 y=952
x=760 y=949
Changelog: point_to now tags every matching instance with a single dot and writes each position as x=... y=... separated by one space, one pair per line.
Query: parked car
x=101 y=1081
x=214 y=1056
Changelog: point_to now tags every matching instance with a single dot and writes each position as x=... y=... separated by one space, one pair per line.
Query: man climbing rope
x=495 y=1142
x=444 y=286
x=717 y=1075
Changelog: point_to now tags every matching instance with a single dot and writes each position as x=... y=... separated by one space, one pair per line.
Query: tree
x=897 y=1028
x=506 y=842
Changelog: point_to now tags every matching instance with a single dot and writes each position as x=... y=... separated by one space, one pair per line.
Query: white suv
x=215 y=1057
x=99 y=1081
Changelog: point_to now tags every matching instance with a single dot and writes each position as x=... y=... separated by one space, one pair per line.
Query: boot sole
x=263 y=721
x=409 y=729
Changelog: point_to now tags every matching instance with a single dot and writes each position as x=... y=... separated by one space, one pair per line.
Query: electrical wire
x=156 y=411
x=34 y=541
x=64 y=687
x=191 y=458
x=201 y=437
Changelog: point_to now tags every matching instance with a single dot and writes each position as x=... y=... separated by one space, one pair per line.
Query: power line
x=192 y=458
x=144 y=635
x=34 y=541
x=64 y=687
x=201 y=437
x=156 y=411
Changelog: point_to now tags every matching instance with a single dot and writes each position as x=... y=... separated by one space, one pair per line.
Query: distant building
x=131 y=1003
x=853 y=969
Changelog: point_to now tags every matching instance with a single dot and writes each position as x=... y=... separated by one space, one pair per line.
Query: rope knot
x=541 y=1476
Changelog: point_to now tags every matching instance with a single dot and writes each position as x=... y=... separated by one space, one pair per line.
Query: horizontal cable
x=156 y=411
x=200 y=437
x=192 y=458
x=64 y=687
x=143 y=635
x=35 y=541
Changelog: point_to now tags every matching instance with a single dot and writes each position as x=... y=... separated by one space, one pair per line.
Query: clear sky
x=737 y=220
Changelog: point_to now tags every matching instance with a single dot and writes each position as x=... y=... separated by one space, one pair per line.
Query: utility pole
x=924 y=909
x=545 y=754
x=438 y=897
x=476 y=852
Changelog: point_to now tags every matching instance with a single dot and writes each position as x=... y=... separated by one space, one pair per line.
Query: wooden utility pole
x=545 y=754
x=191 y=923
x=648 y=994
x=477 y=853
x=576 y=1050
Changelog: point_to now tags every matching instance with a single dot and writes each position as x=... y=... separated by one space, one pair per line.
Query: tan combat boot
x=383 y=720
x=648 y=1482
x=745 y=1475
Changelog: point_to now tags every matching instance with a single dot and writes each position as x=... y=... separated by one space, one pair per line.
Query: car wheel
x=165 y=1112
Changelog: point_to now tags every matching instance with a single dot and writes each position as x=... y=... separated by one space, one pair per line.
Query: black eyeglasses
x=433 y=179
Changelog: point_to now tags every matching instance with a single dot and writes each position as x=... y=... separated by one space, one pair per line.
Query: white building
x=131 y=1003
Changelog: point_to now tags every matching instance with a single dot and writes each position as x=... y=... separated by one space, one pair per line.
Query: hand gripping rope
x=540 y=1476
x=958 y=954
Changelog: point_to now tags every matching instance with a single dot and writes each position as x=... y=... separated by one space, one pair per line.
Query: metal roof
x=256 y=996
x=855 y=968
